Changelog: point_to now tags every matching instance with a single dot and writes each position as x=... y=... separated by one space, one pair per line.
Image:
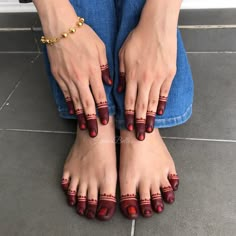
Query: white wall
x=14 y=6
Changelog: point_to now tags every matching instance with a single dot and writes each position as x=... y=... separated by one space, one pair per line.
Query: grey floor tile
x=207 y=17
x=17 y=41
x=13 y=67
x=208 y=40
x=214 y=108
x=32 y=105
x=19 y=20
x=206 y=200
x=32 y=202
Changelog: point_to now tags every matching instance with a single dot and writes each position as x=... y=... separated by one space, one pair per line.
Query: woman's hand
x=78 y=63
x=147 y=69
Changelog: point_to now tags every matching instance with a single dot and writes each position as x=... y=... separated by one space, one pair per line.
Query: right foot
x=90 y=170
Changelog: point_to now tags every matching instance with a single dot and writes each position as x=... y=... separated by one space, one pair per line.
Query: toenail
x=130 y=127
x=71 y=203
x=159 y=209
x=132 y=210
x=102 y=211
x=90 y=214
x=81 y=211
x=147 y=212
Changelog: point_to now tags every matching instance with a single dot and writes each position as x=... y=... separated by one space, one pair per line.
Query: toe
x=145 y=201
x=157 y=202
x=174 y=181
x=81 y=199
x=129 y=205
x=71 y=193
x=106 y=206
x=91 y=208
x=65 y=181
x=167 y=192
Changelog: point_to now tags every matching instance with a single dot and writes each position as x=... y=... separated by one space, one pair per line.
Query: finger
x=100 y=98
x=89 y=109
x=141 y=110
x=130 y=98
x=67 y=96
x=80 y=115
x=165 y=89
x=152 y=106
x=121 y=84
x=106 y=77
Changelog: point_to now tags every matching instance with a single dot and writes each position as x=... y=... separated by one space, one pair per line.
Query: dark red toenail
x=102 y=211
x=147 y=212
x=90 y=215
x=159 y=209
x=80 y=211
x=71 y=203
x=132 y=210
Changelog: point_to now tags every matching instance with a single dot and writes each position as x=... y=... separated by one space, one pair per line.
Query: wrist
x=55 y=15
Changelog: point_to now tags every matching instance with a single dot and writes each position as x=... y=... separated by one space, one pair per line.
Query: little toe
x=129 y=206
x=167 y=192
x=174 y=181
x=145 y=201
x=65 y=181
x=71 y=193
x=92 y=202
x=106 y=206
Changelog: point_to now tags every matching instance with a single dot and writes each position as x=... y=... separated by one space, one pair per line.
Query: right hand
x=79 y=62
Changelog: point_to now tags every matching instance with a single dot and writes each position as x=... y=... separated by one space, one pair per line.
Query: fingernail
x=92 y=133
x=149 y=129
x=82 y=126
x=110 y=82
x=132 y=210
x=104 y=122
x=141 y=137
x=160 y=112
x=119 y=89
x=130 y=127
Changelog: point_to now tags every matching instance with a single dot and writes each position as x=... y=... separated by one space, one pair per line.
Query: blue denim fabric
x=113 y=20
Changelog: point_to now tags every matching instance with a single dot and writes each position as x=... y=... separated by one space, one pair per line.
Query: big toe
x=129 y=206
x=106 y=206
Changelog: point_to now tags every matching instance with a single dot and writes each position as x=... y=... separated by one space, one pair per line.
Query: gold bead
x=64 y=35
x=72 y=30
x=79 y=24
x=81 y=20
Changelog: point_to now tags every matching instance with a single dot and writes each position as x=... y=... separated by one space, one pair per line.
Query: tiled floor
x=34 y=142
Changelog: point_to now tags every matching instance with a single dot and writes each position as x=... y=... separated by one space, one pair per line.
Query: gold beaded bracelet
x=72 y=30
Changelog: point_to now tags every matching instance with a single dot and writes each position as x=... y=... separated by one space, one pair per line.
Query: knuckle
x=87 y=103
x=141 y=107
x=130 y=102
x=171 y=72
x=153 y=102
x=54 y=70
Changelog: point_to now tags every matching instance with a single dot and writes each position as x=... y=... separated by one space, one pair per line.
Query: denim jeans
x=113 y=20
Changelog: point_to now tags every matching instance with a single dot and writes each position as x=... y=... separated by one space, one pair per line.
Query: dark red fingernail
x=129 y=119
x=161 y=105
x=92 y=125
x=103 y=112
x=82 y=126
x=81 y=119
x=119 y=89
x=92 y=133
x=149 y=129
x=150 y=121
x=106 y=75
x=130 y=127
x=70 y=106
x=140 y=129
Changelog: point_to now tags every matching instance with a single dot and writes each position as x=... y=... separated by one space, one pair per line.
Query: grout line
x=164 y=137
x=20 y=52
x=9 y=96
x=202 y=139
x=213 y=52
x=39 y=131
x=207 y=26
x=2 y=29
x=132 y=228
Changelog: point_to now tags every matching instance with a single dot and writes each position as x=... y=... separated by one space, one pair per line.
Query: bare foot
x=147 y=168
x=90 y=175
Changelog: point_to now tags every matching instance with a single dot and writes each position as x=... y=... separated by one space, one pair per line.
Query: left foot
x=147 y=168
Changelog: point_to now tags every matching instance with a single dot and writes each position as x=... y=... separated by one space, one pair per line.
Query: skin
x=149 y=69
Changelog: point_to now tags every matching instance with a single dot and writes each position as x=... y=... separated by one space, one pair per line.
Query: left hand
x=147 y=69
